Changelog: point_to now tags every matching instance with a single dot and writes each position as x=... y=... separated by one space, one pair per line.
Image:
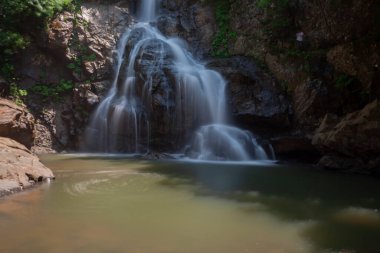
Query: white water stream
x=157 y=78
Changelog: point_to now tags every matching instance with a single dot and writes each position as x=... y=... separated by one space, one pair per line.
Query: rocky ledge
x=19 y=168
x=351 y=143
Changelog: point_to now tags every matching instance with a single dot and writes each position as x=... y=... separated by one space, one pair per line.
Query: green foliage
x=15 y=13
x=225 y=33
x=14 y=34
x=17 y=94
x=11 y=42
x=82 y=54
x=53 y=92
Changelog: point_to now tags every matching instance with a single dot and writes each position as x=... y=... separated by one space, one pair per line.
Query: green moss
x=225 y=34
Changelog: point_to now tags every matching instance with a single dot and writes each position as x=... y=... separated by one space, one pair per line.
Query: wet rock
x=101 y=88
x=191 y=21
x=155 y=156
x=169 y=25
x=295 y=148
x=84 y=97
x=357 y=135
x=342 y=163
x=16 y=123
x=254 y=96
x=19 y=168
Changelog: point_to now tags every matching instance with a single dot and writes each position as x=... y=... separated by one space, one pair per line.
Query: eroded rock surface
x=255 y=97
x=357 y=135
x=16 y=123
x=19 y=168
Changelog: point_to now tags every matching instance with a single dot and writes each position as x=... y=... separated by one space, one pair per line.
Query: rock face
x=255 y=98
x=19 y=168
x=190 y=20
x=356 y=135
x=16 y=123
x=77 y=48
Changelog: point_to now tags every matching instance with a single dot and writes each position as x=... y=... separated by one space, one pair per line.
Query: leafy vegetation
x=17 y=94
x=14 y=14
x=15 y=36
x=225 y=34
x=53 y=92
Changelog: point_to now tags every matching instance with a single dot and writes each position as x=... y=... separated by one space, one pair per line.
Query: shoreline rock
x=19 y=168
x=16 y=123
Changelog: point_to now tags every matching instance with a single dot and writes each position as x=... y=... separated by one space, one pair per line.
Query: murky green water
x=112 y=205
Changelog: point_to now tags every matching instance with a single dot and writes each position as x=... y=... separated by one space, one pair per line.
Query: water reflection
x=104 y=204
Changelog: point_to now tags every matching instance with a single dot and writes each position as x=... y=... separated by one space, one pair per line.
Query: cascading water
x=160 y=95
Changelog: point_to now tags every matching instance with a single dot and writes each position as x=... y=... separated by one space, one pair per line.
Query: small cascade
x=222 y=142
x=161 y=96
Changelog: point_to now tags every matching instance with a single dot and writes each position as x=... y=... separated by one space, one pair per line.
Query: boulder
x=16 y=123
x=19 y=168
x=357 y=135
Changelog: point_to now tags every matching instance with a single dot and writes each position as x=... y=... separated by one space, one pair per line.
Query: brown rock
x=356 y=59
x=16 y=123
x=98 y=27
x=356 y=135
x=19 y=168
x=311 y=101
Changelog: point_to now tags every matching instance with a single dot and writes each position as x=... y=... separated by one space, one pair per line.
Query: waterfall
x=161 y=97
x=147 y=10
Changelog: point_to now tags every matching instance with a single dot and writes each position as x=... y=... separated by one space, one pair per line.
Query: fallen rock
x=19 y=168
x=16 y=123
x=356 y=136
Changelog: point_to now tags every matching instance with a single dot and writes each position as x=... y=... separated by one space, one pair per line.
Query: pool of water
x=116 y=204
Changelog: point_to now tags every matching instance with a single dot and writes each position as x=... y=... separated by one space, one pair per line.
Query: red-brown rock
x=16 y=123
x=19 y=168
x=356 y=135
